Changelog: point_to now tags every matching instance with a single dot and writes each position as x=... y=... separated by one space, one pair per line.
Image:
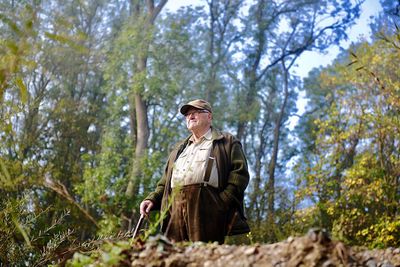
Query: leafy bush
x=24 y=240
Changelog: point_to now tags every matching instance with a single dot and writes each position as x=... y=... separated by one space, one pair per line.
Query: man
x=206 y=176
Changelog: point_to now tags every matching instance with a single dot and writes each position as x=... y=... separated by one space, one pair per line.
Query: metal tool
x=138 y=225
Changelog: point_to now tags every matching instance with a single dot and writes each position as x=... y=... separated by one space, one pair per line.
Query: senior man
x=208 y=174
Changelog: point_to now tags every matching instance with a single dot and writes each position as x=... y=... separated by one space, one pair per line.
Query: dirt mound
x=313 y=249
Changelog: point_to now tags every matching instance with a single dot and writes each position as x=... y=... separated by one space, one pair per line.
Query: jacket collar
x=216 y=134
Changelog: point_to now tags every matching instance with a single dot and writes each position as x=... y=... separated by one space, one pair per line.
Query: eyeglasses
x=196 y=112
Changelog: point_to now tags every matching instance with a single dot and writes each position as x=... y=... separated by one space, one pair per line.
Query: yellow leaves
x=384 y=233
x=365 y=179
x=364 y=232
x=391 y=228
x=353 y=182
x=376 y=59
x=307 y=191
x=330 y=211
x=306 y=217
x=373 y=231
x=355 y=212
x=354 y=177
x=375 y=190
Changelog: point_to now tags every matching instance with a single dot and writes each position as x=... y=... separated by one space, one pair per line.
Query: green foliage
x=69 y=41
x=363 y=213
x=130 y=45
x=23 y=237
x=104 y=180
x=351 y=173
x=68 y=76
x=385 y=233
x=15 y=50
x=109 y=223
x=110 y=254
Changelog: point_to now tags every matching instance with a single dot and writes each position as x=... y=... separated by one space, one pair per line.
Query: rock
x=318 y=235
x=250 y=251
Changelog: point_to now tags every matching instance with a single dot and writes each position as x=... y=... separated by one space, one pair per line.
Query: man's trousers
x=197 y=214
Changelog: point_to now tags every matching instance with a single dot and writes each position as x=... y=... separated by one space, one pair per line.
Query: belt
x=197 y=185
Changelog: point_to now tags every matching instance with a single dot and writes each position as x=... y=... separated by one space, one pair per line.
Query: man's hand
x=145 y=207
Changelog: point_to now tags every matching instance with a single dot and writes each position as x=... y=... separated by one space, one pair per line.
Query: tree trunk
x=139 y=106
x=274 y=157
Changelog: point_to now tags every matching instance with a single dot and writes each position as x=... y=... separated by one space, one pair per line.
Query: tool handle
x=138 y=225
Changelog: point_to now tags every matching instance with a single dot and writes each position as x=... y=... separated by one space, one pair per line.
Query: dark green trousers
x=197 y=214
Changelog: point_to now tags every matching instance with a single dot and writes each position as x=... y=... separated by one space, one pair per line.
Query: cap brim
x=185 y=108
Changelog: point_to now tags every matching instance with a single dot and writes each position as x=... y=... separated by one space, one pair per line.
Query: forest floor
x=312 y=249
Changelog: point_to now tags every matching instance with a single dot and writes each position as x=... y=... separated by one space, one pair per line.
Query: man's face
x=198 y=119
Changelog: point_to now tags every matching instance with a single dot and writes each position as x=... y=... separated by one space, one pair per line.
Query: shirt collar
x=206 y=136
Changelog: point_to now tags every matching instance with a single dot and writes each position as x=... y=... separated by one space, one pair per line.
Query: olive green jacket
x=233 y=178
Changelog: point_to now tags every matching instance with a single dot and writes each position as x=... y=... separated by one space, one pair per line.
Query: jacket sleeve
x=157 y=194
x=238 y=177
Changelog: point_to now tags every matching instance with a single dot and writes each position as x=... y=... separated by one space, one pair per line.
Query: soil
x=313 y=249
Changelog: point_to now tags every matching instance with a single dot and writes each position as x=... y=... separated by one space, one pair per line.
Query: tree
x=266 y=45
x=143 y=16
x=354 y=178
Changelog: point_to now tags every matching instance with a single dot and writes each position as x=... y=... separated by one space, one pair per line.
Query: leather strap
x=210 y=164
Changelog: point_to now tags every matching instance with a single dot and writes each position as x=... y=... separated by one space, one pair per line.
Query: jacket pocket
x=216 y=199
